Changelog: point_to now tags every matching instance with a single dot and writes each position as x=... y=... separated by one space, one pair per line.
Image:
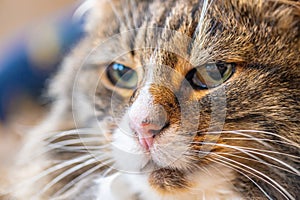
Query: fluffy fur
x=236 y=141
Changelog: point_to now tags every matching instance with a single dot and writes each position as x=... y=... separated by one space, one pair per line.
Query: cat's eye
x=211 y=75
x=122 y=76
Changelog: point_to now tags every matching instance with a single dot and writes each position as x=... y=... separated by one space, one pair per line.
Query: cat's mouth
x=168 y=151
x=163 y=155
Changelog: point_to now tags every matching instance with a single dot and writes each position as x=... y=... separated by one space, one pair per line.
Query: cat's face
x=179 y=86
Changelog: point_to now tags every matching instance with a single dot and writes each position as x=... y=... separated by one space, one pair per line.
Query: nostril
x=147 y=131
x=155 y=132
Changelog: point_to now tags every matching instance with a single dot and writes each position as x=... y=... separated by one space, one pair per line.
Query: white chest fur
x=211 y=184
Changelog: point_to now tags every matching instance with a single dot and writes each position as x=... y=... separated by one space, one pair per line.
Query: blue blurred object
x=28 y=60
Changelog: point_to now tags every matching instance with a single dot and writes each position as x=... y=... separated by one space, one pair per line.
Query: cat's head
x=183 y=85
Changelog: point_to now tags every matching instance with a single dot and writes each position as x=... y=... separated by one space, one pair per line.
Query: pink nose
x=147 y=128
x=146 y=132
x=146 y=118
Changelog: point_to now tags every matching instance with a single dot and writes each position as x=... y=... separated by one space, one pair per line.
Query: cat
x=172 y=99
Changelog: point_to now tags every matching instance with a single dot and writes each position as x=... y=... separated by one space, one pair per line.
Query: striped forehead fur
x=199 y=20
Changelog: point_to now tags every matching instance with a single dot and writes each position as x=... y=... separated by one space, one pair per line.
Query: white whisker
x=73 y=132
x=58 y=167
x=76 y=141
x=278 y=187
x=263 y=132
x=200 y=26
x=71 y=148
x=255 y=139
x=70 y=171
x=263 y=162
x=248 y=150
x=233 y=167
x=82 y=176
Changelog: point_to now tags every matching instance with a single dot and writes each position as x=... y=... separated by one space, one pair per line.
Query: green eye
x=122 y=76
x=211 y=75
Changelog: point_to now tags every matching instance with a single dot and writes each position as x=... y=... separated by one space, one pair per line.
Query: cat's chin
x=166 y=180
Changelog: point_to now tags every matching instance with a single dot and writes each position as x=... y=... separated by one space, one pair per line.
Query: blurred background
x=35 y=35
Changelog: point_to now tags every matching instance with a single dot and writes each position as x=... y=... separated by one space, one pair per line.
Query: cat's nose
x=146 y=133
x=148 y=124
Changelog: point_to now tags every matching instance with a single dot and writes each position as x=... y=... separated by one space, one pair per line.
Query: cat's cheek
x=126 y=152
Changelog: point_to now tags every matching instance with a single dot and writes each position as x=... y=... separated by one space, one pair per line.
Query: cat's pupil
x=126 y=75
